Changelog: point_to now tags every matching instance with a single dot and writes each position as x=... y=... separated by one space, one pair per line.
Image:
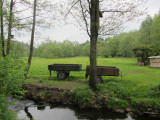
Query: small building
x=154 y=61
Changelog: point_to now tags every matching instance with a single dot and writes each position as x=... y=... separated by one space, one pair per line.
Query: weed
x=143 y=103
x=83 y=94
x=155 y=91
x=42 y=94
x=117 y=103
x=114 y=89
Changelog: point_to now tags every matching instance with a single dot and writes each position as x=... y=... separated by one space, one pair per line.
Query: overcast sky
x=73 y=33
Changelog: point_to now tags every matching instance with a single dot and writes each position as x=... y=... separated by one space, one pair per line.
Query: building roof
x=155 y=57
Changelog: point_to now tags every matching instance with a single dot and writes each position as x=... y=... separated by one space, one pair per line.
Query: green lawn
x=138 y=81
x=143 y=76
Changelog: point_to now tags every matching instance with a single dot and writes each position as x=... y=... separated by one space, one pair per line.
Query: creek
x=28 y=110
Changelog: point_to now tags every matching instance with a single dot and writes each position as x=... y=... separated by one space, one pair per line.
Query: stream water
x=68 y=113
x=28 y=110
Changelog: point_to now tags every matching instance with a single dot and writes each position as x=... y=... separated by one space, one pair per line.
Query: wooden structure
x=139 y=62
x=103 y=71
x=155 y=61
x=63 y=70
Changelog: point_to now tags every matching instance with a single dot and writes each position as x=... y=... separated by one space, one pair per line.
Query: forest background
x=121 y=45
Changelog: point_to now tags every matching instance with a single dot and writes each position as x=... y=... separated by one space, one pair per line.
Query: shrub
x=144 y=103
x=117 y=103
x=115 y=89
x=5 y=113
x=143 y=52
x=11 y=80
x=11 y=76
x=155 y=91
x=83 y=95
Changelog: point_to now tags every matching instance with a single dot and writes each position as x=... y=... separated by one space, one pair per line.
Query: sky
x=73 y=33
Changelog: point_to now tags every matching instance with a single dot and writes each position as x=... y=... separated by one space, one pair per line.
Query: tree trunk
x=10 y=27
x=94 y=21
x=2 y=30
x=32 y=39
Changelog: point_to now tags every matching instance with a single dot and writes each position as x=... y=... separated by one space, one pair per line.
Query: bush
x=11 y=80
x=11 y=76
x=113 y=89
x=117 y=103
x=83 y=95
x=142 y=51
x=144 y=103
x=117 y=90
x=5 y=113
x=155 y=91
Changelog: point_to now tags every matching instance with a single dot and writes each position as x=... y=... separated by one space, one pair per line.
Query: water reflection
x=72 y=113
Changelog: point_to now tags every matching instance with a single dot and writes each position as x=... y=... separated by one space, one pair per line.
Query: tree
x=10 y=27
x=32 y=39
x=118 y=13
x=2 y=28
x=145 y=31
x=94 y=22
x=8 y=19
x=143 y=52
x=155 y=29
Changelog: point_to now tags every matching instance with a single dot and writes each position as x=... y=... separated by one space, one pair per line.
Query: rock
x=132 y=114
x=120 y=110
x=150 y=113
x=129 y=110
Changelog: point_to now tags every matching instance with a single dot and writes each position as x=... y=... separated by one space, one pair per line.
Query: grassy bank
x=139 y=85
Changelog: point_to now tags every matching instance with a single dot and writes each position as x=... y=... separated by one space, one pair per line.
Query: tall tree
x=32 y=39
x=87 y=13
x=94 y=18
x=10 y=27
x=155 y=29
x=2 y=28
x=145 y=31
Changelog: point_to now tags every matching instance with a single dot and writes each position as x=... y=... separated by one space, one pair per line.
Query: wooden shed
x=155 y=61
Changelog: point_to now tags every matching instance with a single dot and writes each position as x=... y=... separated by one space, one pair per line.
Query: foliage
x=156 y=91
x=116 y=103
x=143 y=103
x=145 y=31
x=65 y=49
x=11 y=80
x=17 y=48
x=142 y=51
x=5 y=113
x=117 y=90
x=11 y=75
x=155 y=29
x=114 y=89
x=121 y=45
x=83 y=95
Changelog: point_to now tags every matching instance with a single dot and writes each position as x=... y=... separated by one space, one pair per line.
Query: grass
x=137 y=81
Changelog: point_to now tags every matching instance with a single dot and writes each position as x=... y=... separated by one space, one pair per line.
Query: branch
x=25 y=18
x=71 y=8
x=84 y=18
x=22 y=10
x=78 y=22
x=115 y=11
x=106 y=32
x=89 y=3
